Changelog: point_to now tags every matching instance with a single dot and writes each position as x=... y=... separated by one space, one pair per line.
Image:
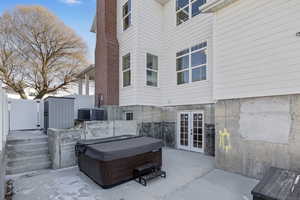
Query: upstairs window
x=191 y=64
x=126 y=15
x=152 y=70
x=186 y=9
x=126 y=70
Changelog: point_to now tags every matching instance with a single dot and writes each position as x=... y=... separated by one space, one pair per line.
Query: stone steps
x=27 y=152
x=28 y=168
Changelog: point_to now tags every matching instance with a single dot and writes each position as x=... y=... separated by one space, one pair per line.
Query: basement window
x=129 y=116
x=126 y=70
x=126 y=15
x=152 y=70
x=186 y=9
x=191 y=64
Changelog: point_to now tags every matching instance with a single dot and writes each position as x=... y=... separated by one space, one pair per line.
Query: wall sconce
x=298 y=34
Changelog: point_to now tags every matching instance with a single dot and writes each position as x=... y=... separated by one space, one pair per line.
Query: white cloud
x=71 y=1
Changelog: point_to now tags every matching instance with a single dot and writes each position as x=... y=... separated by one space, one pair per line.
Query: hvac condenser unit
x=59 y=112
x=92 y=114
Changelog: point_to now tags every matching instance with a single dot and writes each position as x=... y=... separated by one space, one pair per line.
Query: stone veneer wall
x=160 y=130
x=161 y=122
x=262 y=132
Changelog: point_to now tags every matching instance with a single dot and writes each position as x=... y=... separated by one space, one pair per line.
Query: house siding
x=176 y=38
x=128 y=44
x=156 y=32
x=150 y=29
x=256 y=49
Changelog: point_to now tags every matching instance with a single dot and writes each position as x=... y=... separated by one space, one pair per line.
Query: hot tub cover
x=118 y=147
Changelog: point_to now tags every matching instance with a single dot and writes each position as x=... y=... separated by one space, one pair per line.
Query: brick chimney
x=107 y=54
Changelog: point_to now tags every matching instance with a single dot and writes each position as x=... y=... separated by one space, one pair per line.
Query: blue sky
x=77 y=14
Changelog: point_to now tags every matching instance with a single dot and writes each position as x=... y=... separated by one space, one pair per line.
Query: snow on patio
x=189 y=176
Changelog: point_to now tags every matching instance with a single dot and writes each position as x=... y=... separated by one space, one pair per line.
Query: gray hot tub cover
x=112 y=149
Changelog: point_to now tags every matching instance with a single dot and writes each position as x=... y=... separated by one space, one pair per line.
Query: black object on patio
x=92 y=114
x=111 y=161
x=278 y=184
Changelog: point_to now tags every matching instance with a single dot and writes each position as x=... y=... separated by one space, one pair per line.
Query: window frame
x=126 y=70
x=190 y=68
x=126 y=119
x=126 y=15
x=152 y=70
x=190 y=7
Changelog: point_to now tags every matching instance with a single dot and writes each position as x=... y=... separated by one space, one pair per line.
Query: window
x=191 y=64
x=126 y=70
x=129 y=116
x=186 y=9
x=126 y=15
x=152 y=70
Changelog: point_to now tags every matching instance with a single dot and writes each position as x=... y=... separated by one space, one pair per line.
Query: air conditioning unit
x=92 y=114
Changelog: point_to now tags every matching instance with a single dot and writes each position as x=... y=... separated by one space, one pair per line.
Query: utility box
x=58 y=112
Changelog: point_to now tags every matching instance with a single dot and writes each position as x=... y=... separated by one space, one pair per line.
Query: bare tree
x=38 y=51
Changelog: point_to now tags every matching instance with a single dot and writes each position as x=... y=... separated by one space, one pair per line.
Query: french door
x=191 y=131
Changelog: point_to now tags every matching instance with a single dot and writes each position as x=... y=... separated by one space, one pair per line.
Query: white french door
x=191 y=131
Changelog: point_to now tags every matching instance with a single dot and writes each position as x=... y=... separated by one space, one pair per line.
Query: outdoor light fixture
x=298 y=34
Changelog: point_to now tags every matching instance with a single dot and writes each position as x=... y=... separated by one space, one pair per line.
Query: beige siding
x=256 y=49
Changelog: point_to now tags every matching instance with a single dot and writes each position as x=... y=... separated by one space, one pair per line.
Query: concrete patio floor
x=189 y=176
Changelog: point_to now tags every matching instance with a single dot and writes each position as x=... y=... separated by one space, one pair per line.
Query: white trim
x=190 y=129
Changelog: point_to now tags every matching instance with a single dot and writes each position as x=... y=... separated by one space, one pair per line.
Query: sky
x=77 y=14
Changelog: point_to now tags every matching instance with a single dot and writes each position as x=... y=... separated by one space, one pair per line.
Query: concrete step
x=24 y=161
x=27 y=146
x=28 y=168
x=19 y=153
x=17 y=141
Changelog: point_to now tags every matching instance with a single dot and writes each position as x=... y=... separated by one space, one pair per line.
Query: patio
x=189 y=176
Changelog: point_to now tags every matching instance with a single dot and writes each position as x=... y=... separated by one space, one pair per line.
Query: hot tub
x=111 y=161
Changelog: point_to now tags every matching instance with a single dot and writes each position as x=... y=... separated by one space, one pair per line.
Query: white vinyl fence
x=25 y=114
x=3 y=134
x=3 y=119
x=29 y=114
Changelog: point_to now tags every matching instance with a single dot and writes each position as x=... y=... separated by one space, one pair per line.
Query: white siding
x=154 y=31
x=256 y=49
x=128 y=44
x=176 y=38
x=150 y=27
x=3 y=119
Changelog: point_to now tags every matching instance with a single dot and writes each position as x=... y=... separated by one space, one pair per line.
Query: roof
x=215 y=5
x=90 y=70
